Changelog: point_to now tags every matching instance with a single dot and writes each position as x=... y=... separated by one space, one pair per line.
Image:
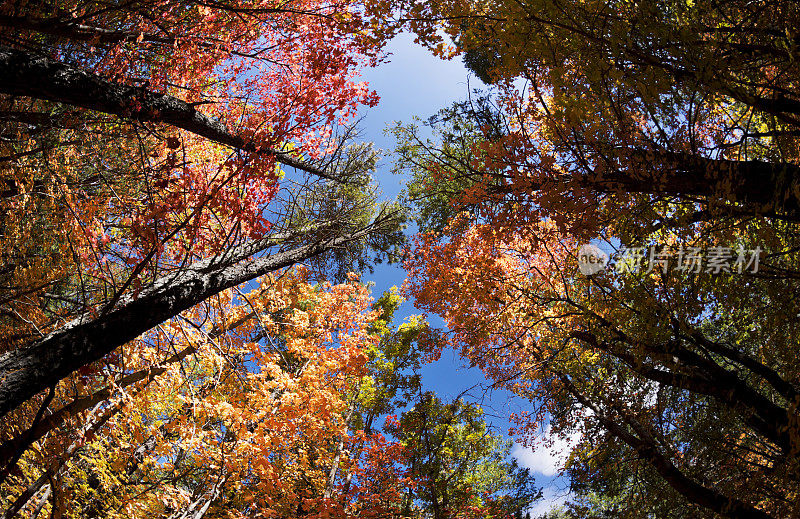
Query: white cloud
x=548 y=457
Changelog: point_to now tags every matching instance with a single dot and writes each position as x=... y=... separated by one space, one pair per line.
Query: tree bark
x=23 y=74
x=765 y=417
x=693 y=491
x=750 y=187
x=757 y=183
x=79 y=32
x=24 y=439
x=27 y=371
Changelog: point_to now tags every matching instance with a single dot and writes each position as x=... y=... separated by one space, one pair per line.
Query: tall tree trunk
x=27 y=371
x=23 y=440
x=682 y=483
x=23 y=74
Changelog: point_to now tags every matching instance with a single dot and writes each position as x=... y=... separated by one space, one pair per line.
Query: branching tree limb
x=23 y=74
x=27 y=371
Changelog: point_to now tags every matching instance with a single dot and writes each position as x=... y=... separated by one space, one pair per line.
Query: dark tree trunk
x=767 y=186
x=26 y=75
x=27 y=371
x=682 y=483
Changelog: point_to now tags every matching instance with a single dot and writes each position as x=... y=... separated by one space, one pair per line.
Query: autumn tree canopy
x=143 y=160
x=185 y=208
x=662 y=132
x=163 y=167
x=167 y=167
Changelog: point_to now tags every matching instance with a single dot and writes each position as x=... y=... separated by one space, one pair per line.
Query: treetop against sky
x=588 y=210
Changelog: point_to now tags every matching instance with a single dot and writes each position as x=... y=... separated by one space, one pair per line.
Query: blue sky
x=415 y=83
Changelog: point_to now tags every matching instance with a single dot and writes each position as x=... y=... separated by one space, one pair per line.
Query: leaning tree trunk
x=27 y=371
